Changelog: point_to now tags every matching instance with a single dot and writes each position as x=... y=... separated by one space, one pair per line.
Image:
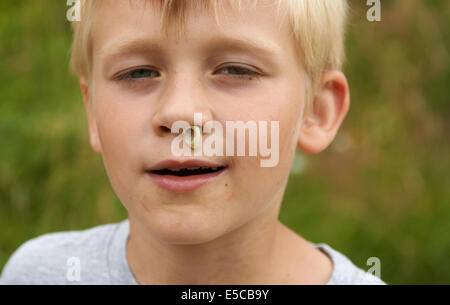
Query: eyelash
x=127 y=75
x=249 y=74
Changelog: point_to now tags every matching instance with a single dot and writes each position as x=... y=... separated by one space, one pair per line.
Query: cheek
x=115 y=128
x=284 y=105
x=277 y=100
x=119 y=127
x=290 y=112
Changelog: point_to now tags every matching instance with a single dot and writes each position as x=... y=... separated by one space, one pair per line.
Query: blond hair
x=317 y=29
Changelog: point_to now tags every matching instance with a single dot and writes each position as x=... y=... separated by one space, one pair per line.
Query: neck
x=247 y=254
x=263 y=251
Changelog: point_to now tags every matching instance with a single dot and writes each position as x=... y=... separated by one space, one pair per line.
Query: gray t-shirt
x=98 y=256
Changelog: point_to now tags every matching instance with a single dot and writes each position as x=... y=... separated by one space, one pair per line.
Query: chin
x=179 y=230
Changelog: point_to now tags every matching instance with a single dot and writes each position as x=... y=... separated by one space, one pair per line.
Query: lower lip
x=184 y=184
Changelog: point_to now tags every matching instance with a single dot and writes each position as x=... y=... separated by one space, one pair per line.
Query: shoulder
x=47 y=258
x=345 y=272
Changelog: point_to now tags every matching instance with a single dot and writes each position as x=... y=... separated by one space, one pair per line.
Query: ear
x=330 y=106
x=93 y=132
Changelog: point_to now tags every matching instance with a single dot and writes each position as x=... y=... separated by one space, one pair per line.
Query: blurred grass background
x=381 y=189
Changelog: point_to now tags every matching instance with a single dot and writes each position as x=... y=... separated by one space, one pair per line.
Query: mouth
x=189 y=171
x=178 y=177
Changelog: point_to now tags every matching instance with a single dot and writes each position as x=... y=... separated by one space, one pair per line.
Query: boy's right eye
x=137 y=74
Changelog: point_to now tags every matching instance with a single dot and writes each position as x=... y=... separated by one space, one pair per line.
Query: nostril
x=165 y=129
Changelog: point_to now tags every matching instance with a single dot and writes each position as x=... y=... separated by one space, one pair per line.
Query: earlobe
x=330 y=106
x=93 y=132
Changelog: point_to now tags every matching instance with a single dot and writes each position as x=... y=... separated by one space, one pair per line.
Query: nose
x=182 y=97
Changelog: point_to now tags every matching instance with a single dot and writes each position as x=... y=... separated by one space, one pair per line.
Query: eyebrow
x=264 y=50
x=116 y=50
x=237 y=44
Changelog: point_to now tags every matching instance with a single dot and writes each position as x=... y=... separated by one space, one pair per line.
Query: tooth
x=214 y=168
x=174 y=169
x=193 y=168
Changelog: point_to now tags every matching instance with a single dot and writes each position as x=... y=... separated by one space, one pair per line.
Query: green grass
x=381 y=189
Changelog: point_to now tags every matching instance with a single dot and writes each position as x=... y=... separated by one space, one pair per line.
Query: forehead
x=119 y=24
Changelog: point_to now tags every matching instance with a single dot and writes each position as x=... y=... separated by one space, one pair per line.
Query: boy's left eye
x=239 y=72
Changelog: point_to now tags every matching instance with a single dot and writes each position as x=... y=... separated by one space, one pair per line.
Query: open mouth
x=185 y=176
x=188 y=171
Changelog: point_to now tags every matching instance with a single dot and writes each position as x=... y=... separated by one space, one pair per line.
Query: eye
x=239 y=72
x=136 y=74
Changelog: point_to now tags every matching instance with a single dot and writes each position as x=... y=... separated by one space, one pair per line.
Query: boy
x=203 y=218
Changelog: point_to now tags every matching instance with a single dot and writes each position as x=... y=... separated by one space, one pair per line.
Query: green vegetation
x=381 y=189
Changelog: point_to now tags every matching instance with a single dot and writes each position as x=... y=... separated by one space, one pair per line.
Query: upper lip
x=183 y=164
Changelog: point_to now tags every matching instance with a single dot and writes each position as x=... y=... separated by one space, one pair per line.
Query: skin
x=226 y=232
